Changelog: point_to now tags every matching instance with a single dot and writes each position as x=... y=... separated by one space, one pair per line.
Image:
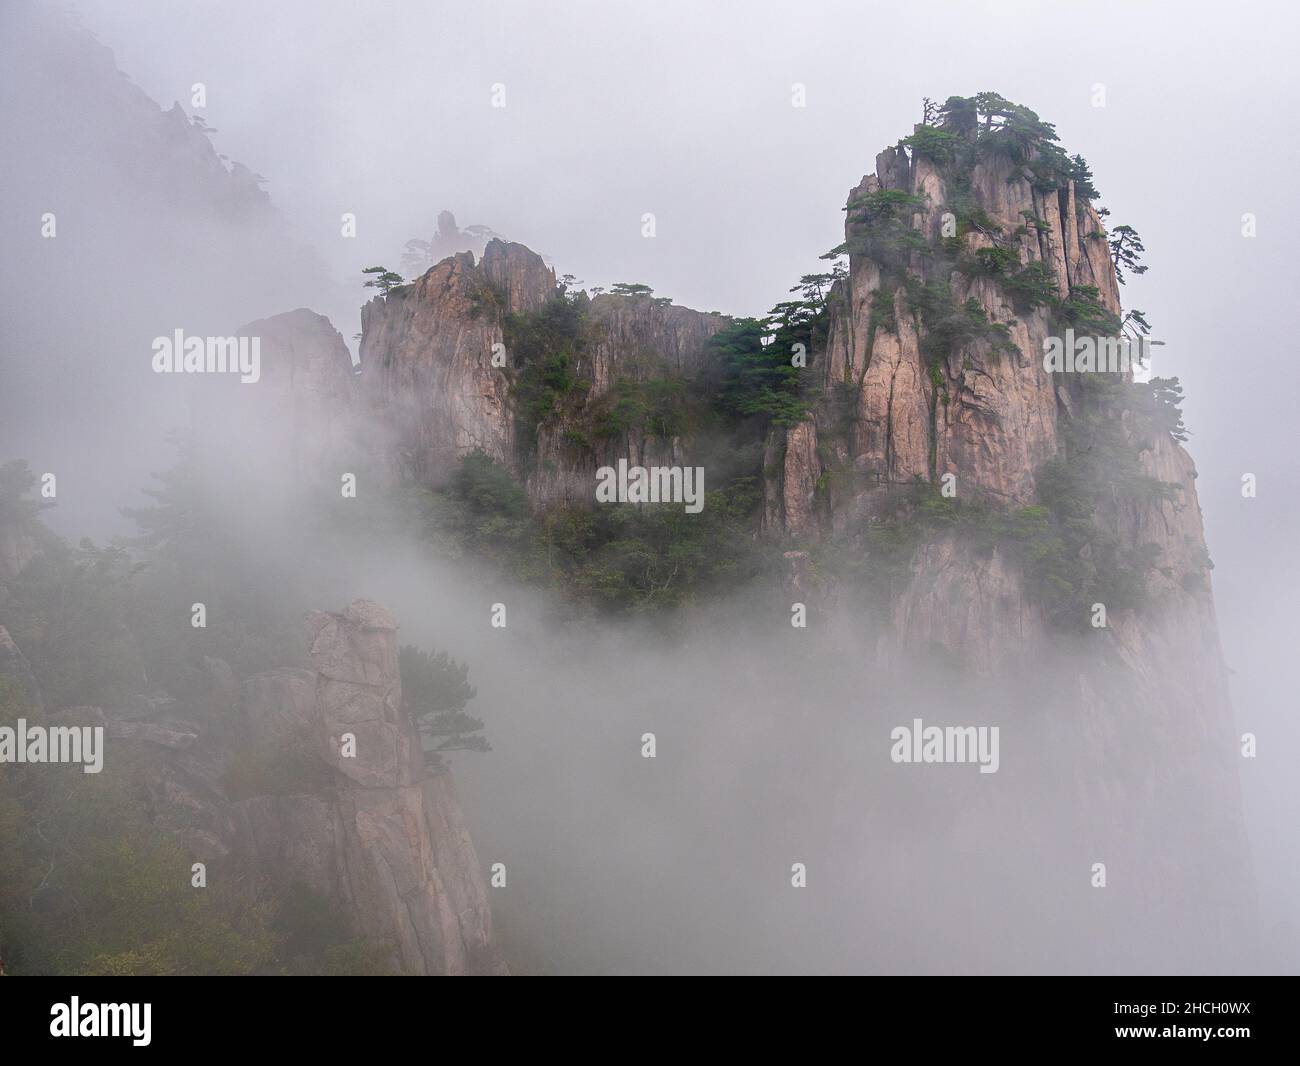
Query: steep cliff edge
x=427 y=358
x=1049 y=523
x=305 y=796
x=495 y=357
x=948 y=508
x=954 y=498
x=299 y=420
x=388 y=839
x=965 y=256
x=936 y=335
x=635 y=361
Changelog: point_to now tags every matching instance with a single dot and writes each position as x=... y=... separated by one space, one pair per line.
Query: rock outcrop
x=339 y=798
x=430 y=380
x=297 y=424
x=988 y=413
x=426 y=358
x=635 y=337
x=387 y=839
x=306 y=369
x=931 y=370
x=18 y=547
x=1150 y=688
x=628 y=340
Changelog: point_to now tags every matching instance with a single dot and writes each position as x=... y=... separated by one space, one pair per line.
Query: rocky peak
x=302 y=353
x=961 y=264
x=518 y=274
x=426 y=360
x=407 y=864
x=359 y=691
x=296 y=424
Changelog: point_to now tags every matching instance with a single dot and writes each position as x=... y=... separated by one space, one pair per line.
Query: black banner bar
x=978 y=1015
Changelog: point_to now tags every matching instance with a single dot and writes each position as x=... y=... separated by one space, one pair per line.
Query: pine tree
x=1125 y=251
x=435 y=690
x=384 y=279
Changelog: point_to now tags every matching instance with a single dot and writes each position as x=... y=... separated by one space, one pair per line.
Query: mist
x=772 y=744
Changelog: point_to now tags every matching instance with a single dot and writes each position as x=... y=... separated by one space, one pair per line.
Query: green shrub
x=545 y=347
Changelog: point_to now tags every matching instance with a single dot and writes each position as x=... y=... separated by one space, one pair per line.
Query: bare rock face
x=293 y=837
x=1137 y=710
x=436 y=396
x=182 y=765
x=388 y=839
x=15 y=668
x=971 y=603
x=518 y=274
x=989 y=414
x=792 y=470
x=358 y=691
x=378 y=833
x=306 y=364
x=18 y=547
x=296 y=424
x=277 y=704
x=634 y=337
x=426 y=358
x=450 y=239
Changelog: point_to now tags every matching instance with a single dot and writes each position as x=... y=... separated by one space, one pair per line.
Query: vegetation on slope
x=89 y=881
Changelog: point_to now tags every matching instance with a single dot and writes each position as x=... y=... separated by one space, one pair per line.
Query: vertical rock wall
x=388 y=839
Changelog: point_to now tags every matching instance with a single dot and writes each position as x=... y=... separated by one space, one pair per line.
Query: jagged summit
x=940 y=486
x=901 y=503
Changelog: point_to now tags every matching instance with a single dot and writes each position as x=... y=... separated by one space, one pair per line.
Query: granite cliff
x=388 y=839
x=974 y=242
x=948 y=510
x=440 y=371
x=313 y=781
